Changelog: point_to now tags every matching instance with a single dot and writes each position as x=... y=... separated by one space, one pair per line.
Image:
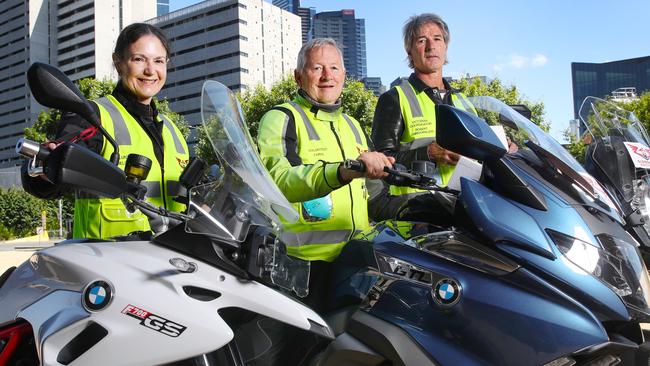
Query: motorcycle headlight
x=616 y=263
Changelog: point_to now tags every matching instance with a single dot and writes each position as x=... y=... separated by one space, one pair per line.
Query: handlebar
x=398 y=175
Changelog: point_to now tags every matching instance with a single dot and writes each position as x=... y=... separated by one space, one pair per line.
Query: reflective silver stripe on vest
x=466 y=106
x=357 y=136
x=417 y=143
x=315 y=237
x=177 y=140
x=153 y=188
x=122 y=135
x=173 y=186
x=416 y=111
x=311 y=132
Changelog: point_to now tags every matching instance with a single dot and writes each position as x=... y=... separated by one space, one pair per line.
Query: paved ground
x=13 y=254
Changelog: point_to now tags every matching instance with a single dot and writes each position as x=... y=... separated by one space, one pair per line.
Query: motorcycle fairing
x=142 y=276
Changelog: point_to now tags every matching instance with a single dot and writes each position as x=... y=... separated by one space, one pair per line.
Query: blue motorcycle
x=536 y=267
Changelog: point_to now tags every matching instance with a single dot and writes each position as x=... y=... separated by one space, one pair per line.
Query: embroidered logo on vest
x=182 y=162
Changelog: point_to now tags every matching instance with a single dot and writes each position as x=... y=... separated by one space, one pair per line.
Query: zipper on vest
x=338 y=140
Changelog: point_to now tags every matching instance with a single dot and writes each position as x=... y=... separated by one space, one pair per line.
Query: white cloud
x=518 y=61
x=539 y=60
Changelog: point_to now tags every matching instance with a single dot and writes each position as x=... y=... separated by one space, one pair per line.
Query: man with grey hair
x=303 y=144
x=404 y=125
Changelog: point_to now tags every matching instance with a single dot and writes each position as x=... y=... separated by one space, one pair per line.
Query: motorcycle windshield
x=602 y=118
x=245 y=193
x=510 y=124
x=619 y=149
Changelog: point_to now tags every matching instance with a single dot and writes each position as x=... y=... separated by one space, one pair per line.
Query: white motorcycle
x=174 y=299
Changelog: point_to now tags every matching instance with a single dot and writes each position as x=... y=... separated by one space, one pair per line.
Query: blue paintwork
x=536 y=320
x=542 y=310
x=486 y=207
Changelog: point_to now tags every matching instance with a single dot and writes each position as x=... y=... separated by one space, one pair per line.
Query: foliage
x=20 y=213
x=508 y=94
x=641 y=108
x=356 y=102
x=575 y=147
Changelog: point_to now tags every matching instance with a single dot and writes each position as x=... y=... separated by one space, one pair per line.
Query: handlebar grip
x=355 y=165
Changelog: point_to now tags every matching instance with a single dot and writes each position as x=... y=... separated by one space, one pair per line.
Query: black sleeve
x=387 y=129
x=69 y=126
x=290 y=138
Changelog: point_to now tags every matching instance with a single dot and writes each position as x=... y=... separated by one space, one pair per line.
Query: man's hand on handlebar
x=373 y=162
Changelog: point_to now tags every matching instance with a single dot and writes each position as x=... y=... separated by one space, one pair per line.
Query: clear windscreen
x=618 y=152
x=602 y=118
x=245 y=194
x=520 y=130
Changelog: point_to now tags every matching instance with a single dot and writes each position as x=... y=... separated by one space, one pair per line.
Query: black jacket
x=388 y=122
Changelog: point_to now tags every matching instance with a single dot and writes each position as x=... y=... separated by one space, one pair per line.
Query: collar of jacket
x=127 y=99
x=420 y=86
x=327 y=112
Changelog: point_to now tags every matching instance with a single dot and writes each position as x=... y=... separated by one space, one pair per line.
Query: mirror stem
x=115 y=156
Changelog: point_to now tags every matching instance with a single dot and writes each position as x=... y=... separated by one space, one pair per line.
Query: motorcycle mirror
x=523 y=110
x=467 y=134
x=52 y=88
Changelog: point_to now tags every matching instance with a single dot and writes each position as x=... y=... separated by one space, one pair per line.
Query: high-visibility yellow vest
x=328 y=137
x=419 y=115
x=103 y=217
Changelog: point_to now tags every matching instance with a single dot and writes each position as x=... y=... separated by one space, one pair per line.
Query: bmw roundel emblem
x=97 y=295
x=446 y=292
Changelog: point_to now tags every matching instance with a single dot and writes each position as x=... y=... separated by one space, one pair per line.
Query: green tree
x=507 y=94
x=640 y=107
x=356 y=101
x=20 y=213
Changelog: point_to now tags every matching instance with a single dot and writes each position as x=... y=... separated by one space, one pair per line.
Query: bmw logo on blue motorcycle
x=446 y=292
x=97 y=295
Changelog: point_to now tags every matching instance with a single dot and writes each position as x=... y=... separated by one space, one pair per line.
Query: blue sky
x=530 y=44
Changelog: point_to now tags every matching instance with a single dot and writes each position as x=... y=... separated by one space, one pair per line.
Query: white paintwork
x=142 y=276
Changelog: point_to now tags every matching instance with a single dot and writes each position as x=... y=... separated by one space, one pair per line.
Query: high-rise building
x=77 y=36
x=289 y=5
x=24 y=38
x=603 y=79
x=162 y=7
x=306 y=16
x=239 y=43
x=350 y=33
x=307 y=22
x=86 y=30
x=374 y=84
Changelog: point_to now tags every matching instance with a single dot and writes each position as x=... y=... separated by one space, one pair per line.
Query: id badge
x=318 y=209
